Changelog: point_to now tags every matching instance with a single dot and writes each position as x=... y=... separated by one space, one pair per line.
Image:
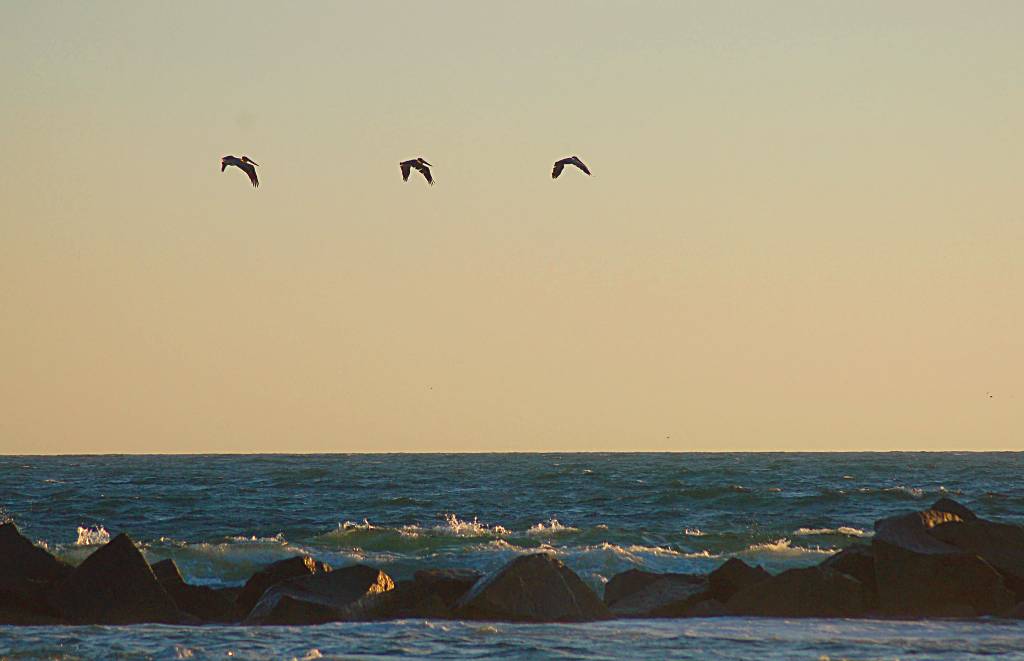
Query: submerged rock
x=320 y=597
x=732 y=576
x=274 y=573
x=636 y=593
x=115 y=585
x=807 y=592
x=532 y=588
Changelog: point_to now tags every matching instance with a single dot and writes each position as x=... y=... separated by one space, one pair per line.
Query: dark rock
x=115 y=585
x=951 y=506
x=448 y=584
x=532 y=588
x=937 y=584
x=205 y=603
x=807 y=592
x=20 y=558
x=231 y=594
x=706 y=608
x=919 y=575
x=732 y=576
x=167 y=573
x=274 y=573
x=910 y=531
x=25 y=601
x=320 y=597
x=857 y=561
x=999 y=544
x=1017 y=612
x=16 y=616
x=669 y=595
x=430 y=595
x=626 y=583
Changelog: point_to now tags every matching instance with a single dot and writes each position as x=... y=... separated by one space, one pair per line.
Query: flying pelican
x=420 y=165
x=572 y=160
x=244 y=164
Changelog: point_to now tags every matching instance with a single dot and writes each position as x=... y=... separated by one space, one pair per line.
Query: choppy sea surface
x=221 y=517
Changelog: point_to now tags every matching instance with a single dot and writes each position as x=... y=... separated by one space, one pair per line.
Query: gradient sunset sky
x=805 y=228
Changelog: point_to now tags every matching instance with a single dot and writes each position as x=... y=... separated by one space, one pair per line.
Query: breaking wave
x=92 y=536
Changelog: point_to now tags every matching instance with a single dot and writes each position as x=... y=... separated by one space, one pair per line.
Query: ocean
x=221 y=517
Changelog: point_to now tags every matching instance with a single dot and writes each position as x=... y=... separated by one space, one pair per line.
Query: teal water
x=222 y=517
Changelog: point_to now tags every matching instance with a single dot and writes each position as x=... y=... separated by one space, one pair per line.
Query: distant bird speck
x=421 y=165
x=571 y=160
x=245 y=164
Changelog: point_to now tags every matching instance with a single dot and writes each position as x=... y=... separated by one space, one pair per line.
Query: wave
x=454 y=526
x=845 y=531
x=92 y=536
x=785 y=547
x=551 y=527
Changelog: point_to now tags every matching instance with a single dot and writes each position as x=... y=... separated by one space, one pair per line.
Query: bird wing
x=578 y=163
x=250 y=170
x=223 y=165
x=425 y=171
x=405 y=170
x=557 y=169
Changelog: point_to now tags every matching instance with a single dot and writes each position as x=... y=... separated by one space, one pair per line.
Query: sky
x=804 y=228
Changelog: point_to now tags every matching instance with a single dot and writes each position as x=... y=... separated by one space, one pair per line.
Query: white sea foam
x=253 y=539
x=92 y=536
x=550 y=528
x=455 y=526
x=913 y=492
x=841 y=530
x=694 y=532
x=785 y=547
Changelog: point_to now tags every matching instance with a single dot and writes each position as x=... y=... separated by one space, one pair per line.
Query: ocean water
x=222 y=517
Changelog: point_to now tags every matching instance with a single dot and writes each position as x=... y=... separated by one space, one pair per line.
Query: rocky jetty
x=943 y=561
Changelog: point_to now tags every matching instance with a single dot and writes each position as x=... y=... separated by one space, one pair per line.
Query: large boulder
x=807 y=592
x=919 y=575
x=626 y=583
x=26 y=574
x=26 y=601
x=115 y=585
x=205 y=603
x=320 y=597
x=532 y=588
x=910 y=531
x=642 y=594
x=20 y=558
x=999 y=544
x=857 y=561
x=951 y=506
x=732 y=576
x=432 y=593
x=274 y=573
